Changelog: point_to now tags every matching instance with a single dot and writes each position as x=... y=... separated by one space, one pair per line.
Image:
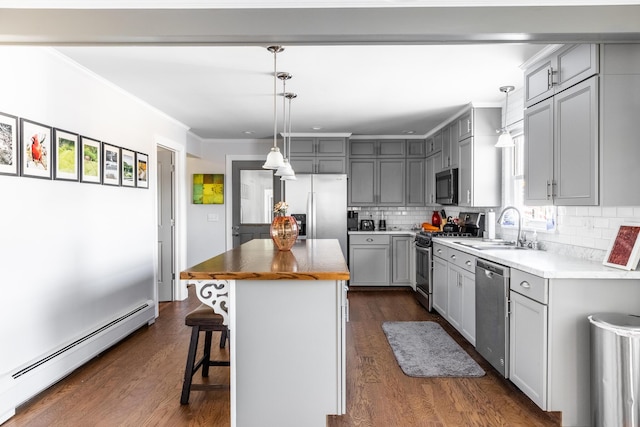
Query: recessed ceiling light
x=408 y=132
x=316 y=128
x=248 y=132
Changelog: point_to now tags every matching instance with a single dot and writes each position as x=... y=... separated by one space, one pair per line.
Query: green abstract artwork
x=208 y=189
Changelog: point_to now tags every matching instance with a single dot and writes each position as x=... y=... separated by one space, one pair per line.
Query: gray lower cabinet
x=440 y=279
x=461 y=288
x=401 y=260
x=380 y=259
x=528 y=346
x=561 y=150
x=369 y=256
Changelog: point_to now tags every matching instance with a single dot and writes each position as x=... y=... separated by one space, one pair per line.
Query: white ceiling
x=222 y=92
x=366 y=67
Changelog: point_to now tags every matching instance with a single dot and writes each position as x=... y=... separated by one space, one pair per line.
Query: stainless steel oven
x=473 y=227
x=424 y=288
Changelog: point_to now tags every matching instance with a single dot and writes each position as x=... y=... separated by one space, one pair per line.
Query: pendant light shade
x=505 y=139
x=274 y=158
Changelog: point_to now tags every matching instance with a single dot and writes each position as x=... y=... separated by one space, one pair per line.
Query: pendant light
x=505 y=139
x=288 y=174
x=274 y=158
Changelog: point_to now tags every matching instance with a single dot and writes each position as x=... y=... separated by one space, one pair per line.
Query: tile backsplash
x=584 y=232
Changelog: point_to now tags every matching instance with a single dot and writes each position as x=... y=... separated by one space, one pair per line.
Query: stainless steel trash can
x=615 y=370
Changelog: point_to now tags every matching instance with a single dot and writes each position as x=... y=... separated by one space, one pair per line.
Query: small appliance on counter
x=301 y=219
x=382 y=225
x=472 y=223
x=367 y=225
x=451 y=226
x=352 y=220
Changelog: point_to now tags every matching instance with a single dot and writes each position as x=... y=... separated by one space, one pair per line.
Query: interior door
x=166 y=225
x=254 y=192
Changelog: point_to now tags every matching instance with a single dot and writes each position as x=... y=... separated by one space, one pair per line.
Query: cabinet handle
x=453 y=257
x=439 y=251
x=369 y=239
x=548 y=189
x=468 y=196
x=525 y=284
x=468 y=263
x=550 y=73
x=468 y=125
x=554 y=188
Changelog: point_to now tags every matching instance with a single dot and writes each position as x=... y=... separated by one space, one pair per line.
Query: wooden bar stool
x=202 y=319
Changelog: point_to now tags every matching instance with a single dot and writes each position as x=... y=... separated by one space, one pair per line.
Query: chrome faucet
x=518 y=241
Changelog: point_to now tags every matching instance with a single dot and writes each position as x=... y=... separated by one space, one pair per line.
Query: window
x=538 y=218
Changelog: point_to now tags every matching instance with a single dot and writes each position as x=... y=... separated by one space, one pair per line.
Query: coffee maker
x=352 y=220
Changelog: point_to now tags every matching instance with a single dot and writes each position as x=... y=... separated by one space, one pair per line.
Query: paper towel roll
x=491 y=225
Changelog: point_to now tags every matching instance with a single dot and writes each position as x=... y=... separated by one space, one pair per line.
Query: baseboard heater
x=27 y=381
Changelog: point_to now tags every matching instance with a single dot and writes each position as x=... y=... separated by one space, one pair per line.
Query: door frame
x=180 y=211
x=228 y=222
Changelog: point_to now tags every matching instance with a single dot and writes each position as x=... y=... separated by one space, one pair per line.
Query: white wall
x=208 y=238
x=73 y=255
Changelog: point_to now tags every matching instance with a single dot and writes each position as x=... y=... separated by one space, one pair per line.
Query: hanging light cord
x=275 y=109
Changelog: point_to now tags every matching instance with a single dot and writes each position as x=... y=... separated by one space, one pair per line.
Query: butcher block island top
x=259 y=259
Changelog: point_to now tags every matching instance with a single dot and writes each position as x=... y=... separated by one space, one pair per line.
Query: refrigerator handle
x=312 y=198
x=310 y=215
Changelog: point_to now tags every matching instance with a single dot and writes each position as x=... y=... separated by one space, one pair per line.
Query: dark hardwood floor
x=138 y=382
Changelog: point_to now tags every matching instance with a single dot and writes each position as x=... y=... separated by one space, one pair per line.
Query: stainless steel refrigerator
x=322 y=201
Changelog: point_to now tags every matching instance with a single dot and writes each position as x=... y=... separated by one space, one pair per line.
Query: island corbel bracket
x=214 y=293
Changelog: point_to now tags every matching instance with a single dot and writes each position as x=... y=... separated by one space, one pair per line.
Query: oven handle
x=423 y=249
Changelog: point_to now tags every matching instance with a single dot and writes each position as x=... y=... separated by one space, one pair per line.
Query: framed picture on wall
x=90 y=160
x=624 y=252
x=67 y=155
x=9 y=151
x=36 y=149
x=142 y=169
x=111 y=164
x=128 y=168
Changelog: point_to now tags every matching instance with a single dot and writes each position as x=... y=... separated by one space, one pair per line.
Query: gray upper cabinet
x=416 y=148
x=454 y=145
x=377 y=182
x=434 y=143
x=319 y=155
x=416 y=181
x=464 y=126
x=378 y=173
x=479 y=161
x=569 y=65
x=620 y=110
x=450 y=145
x=433 y=165
x=378 y=148
x=566 y=126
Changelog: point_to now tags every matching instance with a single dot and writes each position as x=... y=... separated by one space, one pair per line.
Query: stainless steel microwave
x=447 y=187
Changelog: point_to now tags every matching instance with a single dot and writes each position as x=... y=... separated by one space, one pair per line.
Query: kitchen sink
x=490 y=245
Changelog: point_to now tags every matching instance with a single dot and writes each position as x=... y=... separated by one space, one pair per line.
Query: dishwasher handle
x=490 y=267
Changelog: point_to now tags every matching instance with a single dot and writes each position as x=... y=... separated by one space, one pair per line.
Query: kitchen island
x=286 y=311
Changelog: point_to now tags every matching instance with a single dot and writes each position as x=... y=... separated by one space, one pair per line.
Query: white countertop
x=544 y=264
x=397 y=232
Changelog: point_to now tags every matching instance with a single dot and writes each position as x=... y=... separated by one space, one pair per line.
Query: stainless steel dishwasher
x=492 y=317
